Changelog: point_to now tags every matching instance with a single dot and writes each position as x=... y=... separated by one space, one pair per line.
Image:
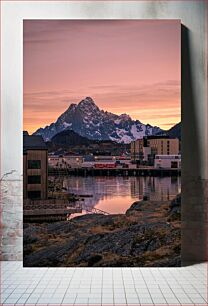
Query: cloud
x=39 y=31
x=169 y=123
x=148 y=103
x=110 y=97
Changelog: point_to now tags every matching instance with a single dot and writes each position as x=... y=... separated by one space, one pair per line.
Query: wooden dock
x=49 y=210
x=150 y=171
x=97 y=211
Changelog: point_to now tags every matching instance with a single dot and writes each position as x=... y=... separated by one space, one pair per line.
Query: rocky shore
x=148 y=234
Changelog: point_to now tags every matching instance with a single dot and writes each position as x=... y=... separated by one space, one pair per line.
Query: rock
x=141 y=237
x=139 y=206
x=175 y=209
x=94 y=259
x=167 y=262
x=176 y=202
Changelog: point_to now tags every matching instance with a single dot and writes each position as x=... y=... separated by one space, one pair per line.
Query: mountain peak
x=87 y=100
x=88 y=105
x=86 y=119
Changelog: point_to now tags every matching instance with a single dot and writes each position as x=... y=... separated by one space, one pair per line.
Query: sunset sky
x=126 y=66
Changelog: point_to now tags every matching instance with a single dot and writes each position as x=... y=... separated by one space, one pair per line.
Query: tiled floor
x=103 y=286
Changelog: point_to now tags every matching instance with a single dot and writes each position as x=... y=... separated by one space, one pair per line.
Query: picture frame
x=193 y=97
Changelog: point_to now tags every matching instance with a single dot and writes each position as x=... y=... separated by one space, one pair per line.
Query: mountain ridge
x=89 y=121
x=173 y=132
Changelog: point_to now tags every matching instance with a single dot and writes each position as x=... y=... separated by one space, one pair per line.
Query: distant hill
x=70 y=138
x=174 y=132
x=71 y=142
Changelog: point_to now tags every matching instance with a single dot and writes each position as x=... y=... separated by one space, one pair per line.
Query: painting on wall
x=101 y=143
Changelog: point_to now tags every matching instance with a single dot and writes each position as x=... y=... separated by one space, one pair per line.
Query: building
x=73 y=161
x=162 y=145
x=88 y=161
x=137 y=149
x=35 y=167
x=146 y=148
x=105 y=164
x=65 y=162
x=167 y=161
x=146 y=153
x=54 y=161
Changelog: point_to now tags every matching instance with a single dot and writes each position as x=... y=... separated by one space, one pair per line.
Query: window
x=36 y=194
x=34 y=164
x=34 y=179
x=174 y=164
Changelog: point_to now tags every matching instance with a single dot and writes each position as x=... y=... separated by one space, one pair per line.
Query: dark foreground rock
x=147 y=235
x=175 y=209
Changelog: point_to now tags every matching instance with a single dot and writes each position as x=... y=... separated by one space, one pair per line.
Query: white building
x=167 y=161
x=68 y=161
x=73 y=161
x=54 y=161
x=88 y=164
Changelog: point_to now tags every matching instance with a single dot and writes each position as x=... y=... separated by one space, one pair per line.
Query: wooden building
x=35 y=167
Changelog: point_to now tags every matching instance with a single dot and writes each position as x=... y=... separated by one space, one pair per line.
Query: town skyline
x=130 y=67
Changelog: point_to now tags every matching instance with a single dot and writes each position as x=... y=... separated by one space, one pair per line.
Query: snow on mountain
x=66 y=125
x=86 y=119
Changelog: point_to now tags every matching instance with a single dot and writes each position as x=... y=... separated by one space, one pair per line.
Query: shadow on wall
x=193 y=217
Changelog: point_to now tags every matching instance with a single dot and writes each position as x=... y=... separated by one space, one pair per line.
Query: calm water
x=116 y=194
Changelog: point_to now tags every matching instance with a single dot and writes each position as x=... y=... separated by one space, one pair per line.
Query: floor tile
x=87 y=286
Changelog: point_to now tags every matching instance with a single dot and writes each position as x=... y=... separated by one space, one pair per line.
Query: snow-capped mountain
x=86 y=119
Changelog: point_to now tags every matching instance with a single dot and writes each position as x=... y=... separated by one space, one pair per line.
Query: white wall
x=193 y=15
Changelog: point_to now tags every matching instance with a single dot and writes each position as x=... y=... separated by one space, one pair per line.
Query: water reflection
x=116 y=194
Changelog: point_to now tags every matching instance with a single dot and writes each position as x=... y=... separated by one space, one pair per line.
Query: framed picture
x=102 y=143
